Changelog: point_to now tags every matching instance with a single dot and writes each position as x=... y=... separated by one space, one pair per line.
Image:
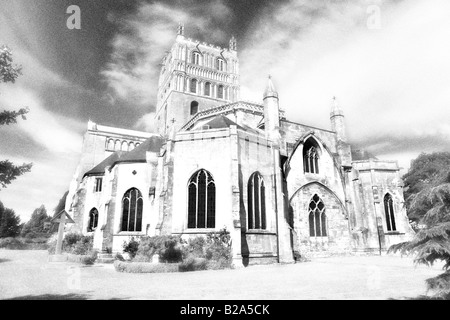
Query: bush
x=131 y=247
x=195 y=248
x=83 y=246
x=167 y=247
x=193 y=264
x=71 y=239
x=119 y=257
x=86 y=259
x=12 y=244
x=142 y=267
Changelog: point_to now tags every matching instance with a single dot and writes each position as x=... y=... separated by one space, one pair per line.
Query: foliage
x=9 y=222
x=36 y=224
x=9 y=72
x=432 y=242
x=216 y=249
x=9 y=171
x=87 y=259
x=12 y=244
x=131 y=247
x=427 y=170
x=142 y=267
x=167 y=247
x=74 y=243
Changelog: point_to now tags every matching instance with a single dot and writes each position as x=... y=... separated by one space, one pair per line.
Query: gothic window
x=220 y=92
x=389 y=212
x=196 y=58
x=201 y=201
x=256 y=202
x=193 y=86
x=208 y=89
x=220 y=64
x=311 y=157
x=132 y=204
x=93 y=220
x=98 y=184
x=317 y=218
x=194 y=107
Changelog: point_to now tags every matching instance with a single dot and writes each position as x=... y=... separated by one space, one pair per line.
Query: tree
x=432 y=242
x=9 y=73
x=9 y=222
x=426 y=170
x=36 y=224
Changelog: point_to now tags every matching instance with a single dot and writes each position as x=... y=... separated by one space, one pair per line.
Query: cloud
x=147 y=123
x=133 y=69
x=392 y=82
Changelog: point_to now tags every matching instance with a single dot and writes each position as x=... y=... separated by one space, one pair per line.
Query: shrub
x=119 y=257
x=12 y=244
x=195 y=247
x=131 y=247
x=142 y=267
x=193 y=264
x=90 y=258
x=71 y=239
x=167 y=247
x=82 y=246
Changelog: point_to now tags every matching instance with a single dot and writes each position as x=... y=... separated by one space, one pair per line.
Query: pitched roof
x=108 y=162
x=220 y=122
x=152 y=144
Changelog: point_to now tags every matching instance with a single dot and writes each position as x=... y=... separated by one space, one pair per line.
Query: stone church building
x=282 y=189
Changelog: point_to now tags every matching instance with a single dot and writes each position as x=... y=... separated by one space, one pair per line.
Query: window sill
x=393 y=233
x=130 y=233
x=259 y=231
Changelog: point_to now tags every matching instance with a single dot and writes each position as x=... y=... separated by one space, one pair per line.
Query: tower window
x=93 y=220
x=311 y=157
x=256 y=202
x=196 y=58
x=98 y=184
x=193 y=86
x=220 y=92
x=220 y=64
x=132 y=204
x=201 y=201
x=194 y=107
x=317 y=218
x=389 y=212
x=207 y=89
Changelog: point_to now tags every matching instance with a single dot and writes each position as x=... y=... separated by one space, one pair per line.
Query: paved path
x=28 y=275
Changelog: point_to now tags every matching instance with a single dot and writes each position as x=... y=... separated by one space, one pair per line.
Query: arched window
x=201 y=201
x=124 y=146
x=193 y=86
x=317 y=218
x=220 y=64
x=93 y=220
x=117 y=145
x=196 y=57
x=194 y=107
x=220 y=92
x=256 y=202
x=132 y=204
x=110 y=145
x=389 y=212
x=311 y=157
x=208 y=89
x=131 y=146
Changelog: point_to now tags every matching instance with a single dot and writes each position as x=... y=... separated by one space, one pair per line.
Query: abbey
x=282 y=189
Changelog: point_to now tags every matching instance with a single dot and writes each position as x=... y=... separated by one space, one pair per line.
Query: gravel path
x=28 y=275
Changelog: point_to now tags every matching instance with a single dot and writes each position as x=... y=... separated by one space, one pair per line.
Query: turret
x=233 y=44
x=337 y=121
x=271 y=111
x=180 y=30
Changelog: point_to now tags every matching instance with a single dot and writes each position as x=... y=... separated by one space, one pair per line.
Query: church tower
x=195 y=76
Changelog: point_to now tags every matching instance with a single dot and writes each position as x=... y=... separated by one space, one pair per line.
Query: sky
x=386 y=61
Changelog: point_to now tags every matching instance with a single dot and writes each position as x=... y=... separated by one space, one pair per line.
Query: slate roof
x=152 y=144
